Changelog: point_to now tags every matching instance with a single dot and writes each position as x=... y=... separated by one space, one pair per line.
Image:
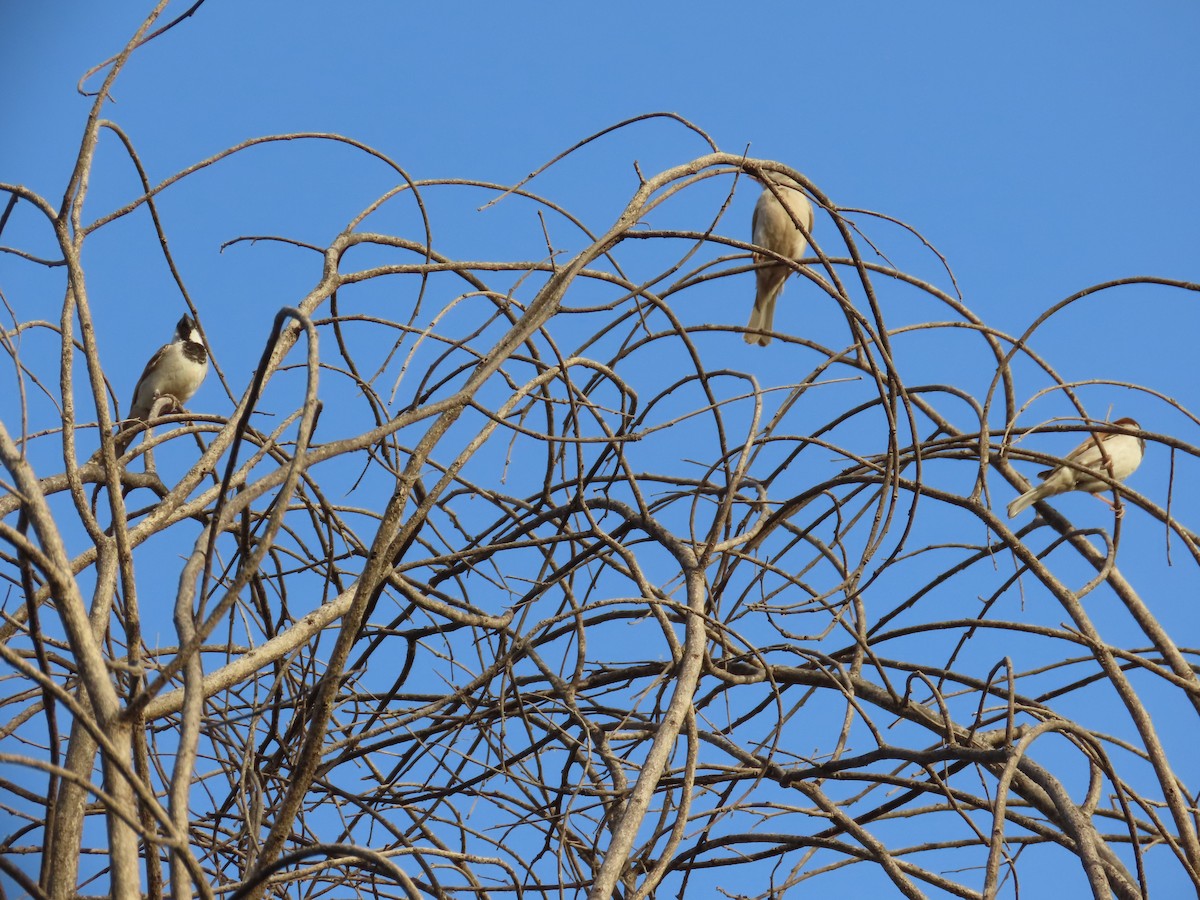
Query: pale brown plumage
x=1121 y=456
x=773 y=228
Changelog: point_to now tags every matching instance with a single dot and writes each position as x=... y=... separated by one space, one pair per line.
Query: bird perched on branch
x=174 y=372
x=774 y=228
x=1117 y=455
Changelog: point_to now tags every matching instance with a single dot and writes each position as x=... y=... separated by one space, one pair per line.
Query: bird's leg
x=1119 y=510
x=164 y=405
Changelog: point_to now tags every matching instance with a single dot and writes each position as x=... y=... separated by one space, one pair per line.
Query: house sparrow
x=772 y=227
x=1122 y=455
x=175 y=371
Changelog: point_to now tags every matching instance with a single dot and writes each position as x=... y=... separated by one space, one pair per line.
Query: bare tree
x=513 y=587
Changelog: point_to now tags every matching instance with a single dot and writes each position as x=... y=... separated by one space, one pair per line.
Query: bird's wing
x=754 y=235
x=1088 y=453
x=150 y=366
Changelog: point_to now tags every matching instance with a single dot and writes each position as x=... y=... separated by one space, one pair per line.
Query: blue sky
x=1042 y=148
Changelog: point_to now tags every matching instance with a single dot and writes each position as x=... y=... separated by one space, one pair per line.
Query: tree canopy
x=511 y=575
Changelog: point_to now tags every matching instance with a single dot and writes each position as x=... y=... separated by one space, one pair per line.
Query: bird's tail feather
x=126 y=432
x=762 y=317
x=1023 y=502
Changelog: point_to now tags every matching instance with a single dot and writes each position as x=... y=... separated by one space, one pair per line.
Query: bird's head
x=187 y=330
x=779 y=178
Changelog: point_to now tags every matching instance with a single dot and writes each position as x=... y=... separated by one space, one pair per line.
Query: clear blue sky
x=1042 y=148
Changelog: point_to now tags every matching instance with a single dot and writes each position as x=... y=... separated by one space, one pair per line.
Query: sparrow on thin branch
x=174 y=372
x=1119 y=458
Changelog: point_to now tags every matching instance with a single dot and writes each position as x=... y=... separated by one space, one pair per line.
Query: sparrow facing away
x=175 y=371
x=772 y=227
x=1121 y=457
